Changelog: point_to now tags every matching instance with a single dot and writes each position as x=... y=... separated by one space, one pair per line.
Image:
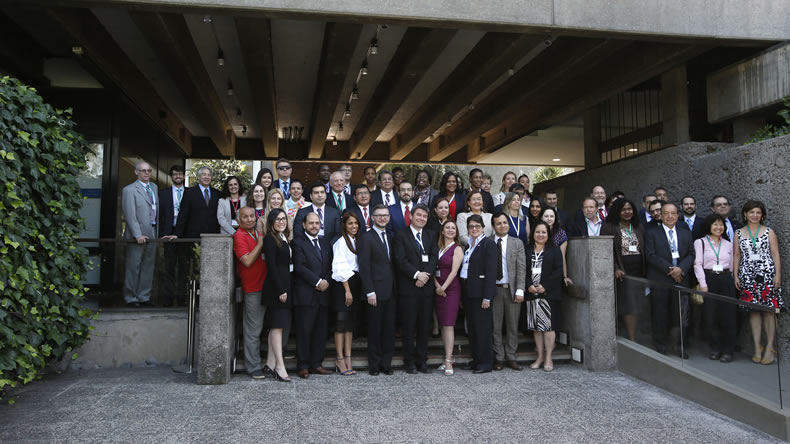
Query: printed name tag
x=234 y=224
x=536 y=271
x=482 y=276
x=675 y=255
x=754 y=257
x=632 y=249
x=425 y=258
x=153 y=207
x=438 y=273
x=718 y=268
x=291 y=268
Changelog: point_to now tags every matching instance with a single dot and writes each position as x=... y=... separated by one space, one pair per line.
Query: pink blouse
x=706 y=257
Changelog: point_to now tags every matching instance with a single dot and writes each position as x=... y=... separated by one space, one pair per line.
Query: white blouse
x=344 y=263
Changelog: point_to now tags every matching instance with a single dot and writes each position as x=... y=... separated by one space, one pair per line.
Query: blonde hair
x=269 y=198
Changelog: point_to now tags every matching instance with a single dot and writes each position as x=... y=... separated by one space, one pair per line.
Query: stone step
x=461 y=340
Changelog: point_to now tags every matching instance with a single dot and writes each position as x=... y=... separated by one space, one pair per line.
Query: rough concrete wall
x=740 y=172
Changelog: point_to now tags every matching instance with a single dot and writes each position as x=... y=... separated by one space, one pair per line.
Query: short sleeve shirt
x=252 y=277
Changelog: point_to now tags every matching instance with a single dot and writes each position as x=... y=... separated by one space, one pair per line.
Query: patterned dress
x=757 y=270
x=538 y=310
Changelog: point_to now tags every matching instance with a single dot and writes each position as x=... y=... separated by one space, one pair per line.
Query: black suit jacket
x=309 y=268
x=375 y=198
x=167 y=211
x=578 y=227
x=278 y=273
x=331 y=222
x=358 y=211
x=408 y=260
x=658 y=254
x=376 y=271
x=276 y=184
x=330 y=201
x=194 y=216
x=550 y=272
x=481 y=274
x=696 y=229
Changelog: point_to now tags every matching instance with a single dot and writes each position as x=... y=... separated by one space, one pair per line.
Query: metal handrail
x=133 y=241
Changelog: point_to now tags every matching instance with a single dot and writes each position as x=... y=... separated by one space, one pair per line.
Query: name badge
x=234 y=224
x=153 y=207
x=482 y=276
x=675 y=255
x=425 y=258
x=536 y=270
x=438 y=273
x=291 y=268
x=754 y=257
x=632 y=249
x=718 y=268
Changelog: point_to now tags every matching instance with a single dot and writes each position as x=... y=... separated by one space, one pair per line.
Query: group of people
x=393 y=254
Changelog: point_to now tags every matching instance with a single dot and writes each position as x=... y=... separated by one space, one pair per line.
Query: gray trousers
x=139 y=277
x=253 y=325
x=505 y=309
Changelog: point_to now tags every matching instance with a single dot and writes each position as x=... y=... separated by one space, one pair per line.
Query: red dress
x=447 y=306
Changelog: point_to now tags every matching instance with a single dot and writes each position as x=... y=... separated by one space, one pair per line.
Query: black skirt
x=339 y=294
x=629 y=293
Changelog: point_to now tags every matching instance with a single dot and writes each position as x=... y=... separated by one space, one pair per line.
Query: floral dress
x=757 y=270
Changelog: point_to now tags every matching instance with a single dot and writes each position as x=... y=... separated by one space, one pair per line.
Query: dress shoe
x=257 y=374
x=514 y=365
x=468 y=366
x=145 y=304
x=303 y=373
x=373 y=372
x=725 y=358
x=477 y=371
x=715 y=356
x=135 y=305
x=387 y=372
x=499 y=365
x=411 y=370
x=424 y=369
x=320 y=371
x=268 y=371
x=282 y=378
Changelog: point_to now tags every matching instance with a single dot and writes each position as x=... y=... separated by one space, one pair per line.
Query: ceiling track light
x=220 y=58
x=340 y=126
x=244 y=129
x=206 y=18
x=230 y=88
x=471 y=106
x=364 y=69
x=334 y=140
x=374 y=47
x=355 y=94
x=347 y=112
x=511 y=72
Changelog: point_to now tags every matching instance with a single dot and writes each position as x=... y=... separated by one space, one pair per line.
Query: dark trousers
x=176 y=269
x=311 y=330
x=381 y=334
x=416 y=317
x=720 y=317
x=665 y=314
x=480 y=323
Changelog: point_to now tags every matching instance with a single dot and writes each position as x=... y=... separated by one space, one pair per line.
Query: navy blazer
x=376 y=271
x=397 y=221
x=408 y=260
x=331 y=222
x=658 y=254
x=481 y=274
x=278 y=273
x=550 y=273
x=167 y=211
x=194 y=216
x=309 y=268
x=696 y=229
x=276 y=184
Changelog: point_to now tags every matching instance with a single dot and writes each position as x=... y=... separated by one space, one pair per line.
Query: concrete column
x=216 y=328
x=675 y=104
x=589 y=309
x=592 y=137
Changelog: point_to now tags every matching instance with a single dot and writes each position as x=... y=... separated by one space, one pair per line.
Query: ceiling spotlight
x=449 y=123
x=334 y=140
x=206 y=18
x=364 y=69
x=220 y=58
x=355 y=94
x=510 y=72
x=347 y=112
x=244 y=129
x=230 y=88
x=374 y=47
x=556 y=159
x=77 y=50
x=471 y=106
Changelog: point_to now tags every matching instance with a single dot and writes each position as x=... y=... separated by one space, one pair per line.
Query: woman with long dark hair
x=533 y=215
x=450 y=188
x=256 y=199
x=265 y=177
x=558 y=236
x=276 y=290
x=231 y=200
x=345 y=292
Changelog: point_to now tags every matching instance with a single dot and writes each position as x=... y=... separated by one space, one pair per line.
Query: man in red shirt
x=247 y=246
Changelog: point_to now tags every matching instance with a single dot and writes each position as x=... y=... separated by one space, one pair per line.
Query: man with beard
x=176 y=255
x=400 y=213
x=689 y=219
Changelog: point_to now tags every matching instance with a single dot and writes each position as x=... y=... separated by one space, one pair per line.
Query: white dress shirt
x=321 y=215
x=384 y=195
x=344 y=262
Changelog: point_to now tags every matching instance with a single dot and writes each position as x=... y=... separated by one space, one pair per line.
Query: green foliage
x=41 y=315
x=547 y=173
x=221 y=169
x=770 y=131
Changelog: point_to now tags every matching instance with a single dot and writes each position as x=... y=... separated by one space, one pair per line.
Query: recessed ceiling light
x=555 y=160
x=633 y=150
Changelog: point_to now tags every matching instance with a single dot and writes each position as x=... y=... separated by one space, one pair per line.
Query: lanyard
x=255 y=237
x=444 y=250
x=592 y=226
x=630 y=236
x=754 y=238
x=716 y=252
x=515 y=225
x=235 y=206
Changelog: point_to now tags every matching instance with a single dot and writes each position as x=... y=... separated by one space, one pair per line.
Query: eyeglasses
x=381 y=215
x=145 y=171
x=474 y=226
x=280 y=219
x=282 y=168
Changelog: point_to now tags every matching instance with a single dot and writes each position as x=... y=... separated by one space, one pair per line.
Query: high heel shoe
x=349 y=364
x=343 y=371
x=448 y=367
x=268 y=372
x=758 y=354
x=766 y=361
x=281 y=378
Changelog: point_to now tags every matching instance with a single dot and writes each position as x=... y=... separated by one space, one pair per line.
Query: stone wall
x=740 y=172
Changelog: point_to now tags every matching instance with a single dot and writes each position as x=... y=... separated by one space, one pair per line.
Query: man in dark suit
x=476 y=184
x=386 y=193
x=400 y=213
x=550 y=199
x=176 y=254
x=376 y=272
x=338 y=198
x=416 y=257
x=312 y=258
x=323 y=175
x=669 y=253
x=478 y=277
x=330 y=217
x=721 y=206
x=644 y=214
x=283 y=181
x=362 y=207
x=589 y=224
x=654 y=211
x=198 y=212
x=689 y=219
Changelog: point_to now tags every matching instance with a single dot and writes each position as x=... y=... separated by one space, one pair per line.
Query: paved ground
x=156 y=405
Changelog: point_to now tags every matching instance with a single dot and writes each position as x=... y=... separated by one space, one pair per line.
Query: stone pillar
x=216 y=329
x=589 y=308
x=675 y=104
x=592 y=137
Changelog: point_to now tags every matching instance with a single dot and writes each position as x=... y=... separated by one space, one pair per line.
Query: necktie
x=340 y=202
x=347 y=189
x=387 y=198
x=206 y=196
x=419 y=243
x=321 y=216
x=673 y=246
x=384 y=239
x=407 y=216
x=689 y=223
x=499 y=272
x=317 y=248
x=153 y=202
x=285 y=190
x=179 y=195
x=365 y=216
x=601 y=214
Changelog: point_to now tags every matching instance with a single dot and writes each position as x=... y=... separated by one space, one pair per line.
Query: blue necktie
x=673 y=246
x=419 y=243
x=285 y=190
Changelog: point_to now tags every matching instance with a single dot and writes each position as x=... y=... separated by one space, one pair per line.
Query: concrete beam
x=728 y=19
x=747 y=86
